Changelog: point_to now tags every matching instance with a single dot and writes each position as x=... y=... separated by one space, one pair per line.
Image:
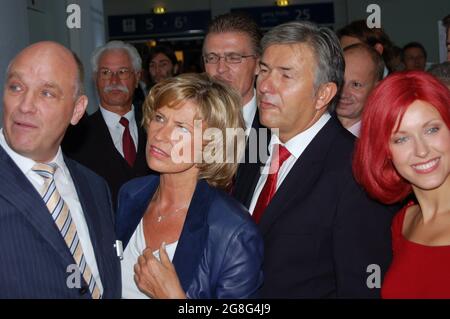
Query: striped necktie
x=63 y=220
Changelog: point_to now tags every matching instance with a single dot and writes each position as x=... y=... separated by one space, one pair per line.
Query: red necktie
x=270 y=186
x=129 y=150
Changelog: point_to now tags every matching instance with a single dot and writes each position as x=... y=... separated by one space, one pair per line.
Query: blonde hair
x=218 y=106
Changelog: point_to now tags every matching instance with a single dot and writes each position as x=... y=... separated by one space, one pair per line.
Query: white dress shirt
x=66 y=188
x=248 y=112
x=116 y=129
x=295 y=146
x=355 y=128
x=134 y=249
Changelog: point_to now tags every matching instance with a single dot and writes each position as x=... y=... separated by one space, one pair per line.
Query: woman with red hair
x=404 y=147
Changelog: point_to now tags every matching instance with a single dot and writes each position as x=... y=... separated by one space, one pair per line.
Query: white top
x=116 y=129
x=66 y=188
x=295 y=146
x=248 y=112
x=134 y=249
x=355 y=128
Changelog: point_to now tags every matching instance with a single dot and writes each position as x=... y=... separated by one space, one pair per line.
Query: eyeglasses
x=232 y=58
x=107 y=74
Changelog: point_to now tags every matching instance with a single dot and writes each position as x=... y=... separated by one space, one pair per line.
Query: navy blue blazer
x=219 y=253
x=33 y=255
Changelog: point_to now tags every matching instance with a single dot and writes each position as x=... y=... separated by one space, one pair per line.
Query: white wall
x=47 y=20
x=83 y=41
x=13 y=35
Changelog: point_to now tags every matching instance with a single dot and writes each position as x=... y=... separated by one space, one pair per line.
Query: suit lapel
x=103 y=131
x=193 y=236
x=91 y=214
x=248 y=172
x=301 y=177
x=132 y=207
x=17 y=190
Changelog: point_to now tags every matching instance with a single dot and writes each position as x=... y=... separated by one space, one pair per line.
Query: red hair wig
x=372 y=165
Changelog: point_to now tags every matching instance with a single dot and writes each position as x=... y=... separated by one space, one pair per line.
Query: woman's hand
x=157 y=279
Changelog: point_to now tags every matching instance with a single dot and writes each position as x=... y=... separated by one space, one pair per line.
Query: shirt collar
x=355 y=128
x=26 y=164
x=112 y=119
x=249 y=111
x=297 y=144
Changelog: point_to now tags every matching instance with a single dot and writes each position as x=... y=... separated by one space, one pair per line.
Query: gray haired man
x=321 y=231
x=111 y=141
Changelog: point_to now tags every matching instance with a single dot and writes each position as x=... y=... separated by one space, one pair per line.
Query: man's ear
x=257 y=65
x=138 y=78
x=379 y=48
x=175 y=69
x=80 y=107
x=325 y=94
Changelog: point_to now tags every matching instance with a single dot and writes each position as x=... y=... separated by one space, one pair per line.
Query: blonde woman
x=183 y=237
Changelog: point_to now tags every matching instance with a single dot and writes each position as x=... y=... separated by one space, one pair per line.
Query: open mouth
x=427 y=166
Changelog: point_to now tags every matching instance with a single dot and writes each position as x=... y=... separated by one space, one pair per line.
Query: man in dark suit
x=231 y=53
x=111 y=141
x=321 y=232
x=56 y=225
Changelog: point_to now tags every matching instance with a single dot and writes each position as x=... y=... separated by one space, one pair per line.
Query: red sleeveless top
x=417 y=271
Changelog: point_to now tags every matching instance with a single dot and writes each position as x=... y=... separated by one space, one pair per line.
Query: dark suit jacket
x=320 y=230
x=92 y=146
x=219 y=253
x=256 y=152
x=34 y=256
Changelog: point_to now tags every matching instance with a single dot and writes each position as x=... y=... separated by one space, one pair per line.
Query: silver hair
x=117 y=45
x=325 y=44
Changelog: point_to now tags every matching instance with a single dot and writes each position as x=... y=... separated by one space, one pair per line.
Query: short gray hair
x=323 y=42
x=117 y=45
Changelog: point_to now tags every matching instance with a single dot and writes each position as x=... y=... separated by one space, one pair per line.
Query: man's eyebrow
x=53 y=85
x=283 y=68
x=14 y=75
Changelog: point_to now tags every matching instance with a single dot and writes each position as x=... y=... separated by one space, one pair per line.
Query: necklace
x=161 y=217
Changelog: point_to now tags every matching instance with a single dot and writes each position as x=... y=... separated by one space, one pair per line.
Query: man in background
x=363 y=69
x=111 y=141
x=231 y=53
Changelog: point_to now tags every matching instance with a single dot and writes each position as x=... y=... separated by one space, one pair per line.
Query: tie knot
x=283 y=154
x=45 y=170
x=124 y=121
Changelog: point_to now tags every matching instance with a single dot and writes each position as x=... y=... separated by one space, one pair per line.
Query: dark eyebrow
x=283 y=68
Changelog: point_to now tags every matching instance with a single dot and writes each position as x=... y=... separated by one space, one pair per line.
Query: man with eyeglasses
x=111 y=142
x=231 y=53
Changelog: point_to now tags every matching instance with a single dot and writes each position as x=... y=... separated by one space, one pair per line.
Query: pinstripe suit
x=33 y=255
